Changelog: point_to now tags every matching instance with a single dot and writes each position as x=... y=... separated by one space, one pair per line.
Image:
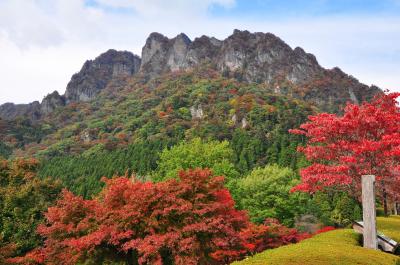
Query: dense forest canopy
x=126 y=131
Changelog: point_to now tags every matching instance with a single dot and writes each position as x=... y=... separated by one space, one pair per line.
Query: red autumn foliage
x=233 y=91
x=365 y=140
x=162 y=114
x=6 y=250
x=187 y=221
x=325 y=229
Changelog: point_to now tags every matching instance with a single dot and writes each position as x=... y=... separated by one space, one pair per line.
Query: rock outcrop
x=263 y=57
x=33 y=111
x=197 y=113
x=160 y=54
x=10 y=111
x=51 y=102
x=95 y=75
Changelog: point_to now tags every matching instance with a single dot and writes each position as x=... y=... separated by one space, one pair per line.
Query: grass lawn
x=338 y=247
x=390 y=226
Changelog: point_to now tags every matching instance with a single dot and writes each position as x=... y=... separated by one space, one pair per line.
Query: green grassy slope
x=390 y=226
x=335 y=247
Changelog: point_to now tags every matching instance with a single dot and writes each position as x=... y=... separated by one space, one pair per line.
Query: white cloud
x=25 y=23
x=43 y=42
x=46 y=23
x=30 y=74
x=167 y=8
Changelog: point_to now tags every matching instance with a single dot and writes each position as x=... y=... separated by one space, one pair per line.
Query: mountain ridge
x=248 y=57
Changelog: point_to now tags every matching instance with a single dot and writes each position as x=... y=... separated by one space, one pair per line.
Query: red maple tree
x=364 y=140
x=187 y=221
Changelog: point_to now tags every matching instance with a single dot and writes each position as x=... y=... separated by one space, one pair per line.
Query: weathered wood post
x=369 y=211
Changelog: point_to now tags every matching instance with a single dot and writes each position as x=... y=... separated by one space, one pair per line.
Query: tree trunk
x=385 y=201
x=132 y=257
x=385 y=204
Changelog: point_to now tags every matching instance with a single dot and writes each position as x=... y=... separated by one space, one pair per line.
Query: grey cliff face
x=33 y=111
x=177 y=55
x=202 y=50
x=154 y=54
x=11 y=111
x=161 y=55
x=95 y=75
x=51 y=102
x=263 y=57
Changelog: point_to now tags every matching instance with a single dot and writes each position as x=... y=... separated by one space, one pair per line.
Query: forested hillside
x=126 y=130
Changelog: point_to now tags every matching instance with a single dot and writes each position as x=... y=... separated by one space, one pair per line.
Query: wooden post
x=369 y=211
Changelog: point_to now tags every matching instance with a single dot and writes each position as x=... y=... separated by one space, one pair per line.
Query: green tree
x=320 y=205
x=5 y=150
x=346 y=210
x=265 y=193
x=196 y=153
x=81 y=173
x=334 y=208
x=23 y=198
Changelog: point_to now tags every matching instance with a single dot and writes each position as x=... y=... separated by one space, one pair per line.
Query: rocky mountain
x=256 y=58
x=95 y=75
x=248 y=57
x=83 y=86
x=10 y=111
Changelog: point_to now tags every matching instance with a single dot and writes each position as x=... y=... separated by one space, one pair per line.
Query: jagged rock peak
x=10 y=111
x=161 y=54
x=157 y=37
x=33 y=111
x=258 y=57
x=183 y=37
x=51 y=102
x=263 y=57
x=96 y=74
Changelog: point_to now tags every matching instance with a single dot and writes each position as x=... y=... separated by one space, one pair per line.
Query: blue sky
x=286 y=8
x=43 y=42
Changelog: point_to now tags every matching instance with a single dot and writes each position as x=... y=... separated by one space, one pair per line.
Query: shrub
x=191 y=220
